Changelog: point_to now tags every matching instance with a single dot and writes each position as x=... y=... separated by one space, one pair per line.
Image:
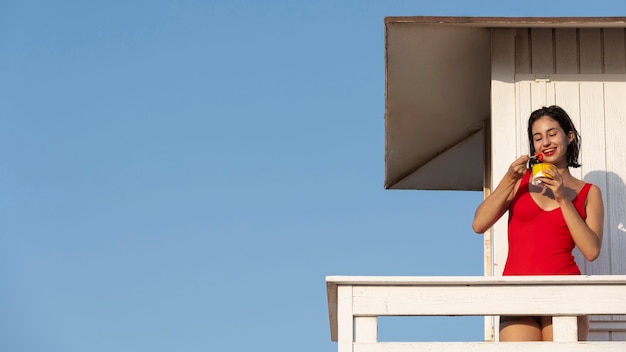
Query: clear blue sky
x=182 y=175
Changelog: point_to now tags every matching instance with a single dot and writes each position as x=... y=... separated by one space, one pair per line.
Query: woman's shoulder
x=594 y=189
x=587 y=188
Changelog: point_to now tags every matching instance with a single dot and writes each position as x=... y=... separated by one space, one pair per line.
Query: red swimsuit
x=539 y=241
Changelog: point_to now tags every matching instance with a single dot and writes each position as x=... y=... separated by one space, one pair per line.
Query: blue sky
x=182 y=175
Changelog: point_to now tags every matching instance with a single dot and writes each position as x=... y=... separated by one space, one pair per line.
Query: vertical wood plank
x=567 y=97
x=590 y=50
x=522 y=50
x=593 y=132
x=538 y=91
x=345 y=318
x=565 y=329
x=566 y=53
x=615 y=113
x=542 y=50
x=550 y=93
x=503 y=126
x=593 y=159
x=524 y=108
x=366 y=329
x=614 y=51
x=491 y=326
x=487 y=187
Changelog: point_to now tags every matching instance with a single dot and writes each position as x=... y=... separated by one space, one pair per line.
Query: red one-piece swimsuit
x=539 y=241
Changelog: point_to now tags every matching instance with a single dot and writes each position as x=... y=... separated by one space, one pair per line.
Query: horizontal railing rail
x=355 y=302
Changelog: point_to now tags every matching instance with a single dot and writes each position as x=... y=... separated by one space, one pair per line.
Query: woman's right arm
x=497 y=203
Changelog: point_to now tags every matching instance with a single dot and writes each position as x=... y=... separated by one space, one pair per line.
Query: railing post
x=345 y=318
x=565 y=329
x=366 y=329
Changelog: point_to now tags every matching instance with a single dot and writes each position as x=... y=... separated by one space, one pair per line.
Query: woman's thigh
x=513 y=328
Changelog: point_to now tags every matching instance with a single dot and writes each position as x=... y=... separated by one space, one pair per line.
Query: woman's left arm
x=587 y=234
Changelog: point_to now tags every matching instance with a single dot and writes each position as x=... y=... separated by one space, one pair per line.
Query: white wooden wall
x=583 y=71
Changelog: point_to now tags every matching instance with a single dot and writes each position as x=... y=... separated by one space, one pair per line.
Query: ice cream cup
x=538 y=171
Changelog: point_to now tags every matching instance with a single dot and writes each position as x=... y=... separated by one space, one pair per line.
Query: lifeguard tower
x=459 y=91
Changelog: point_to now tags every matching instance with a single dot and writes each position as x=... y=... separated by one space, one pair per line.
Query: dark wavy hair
x=559 y=115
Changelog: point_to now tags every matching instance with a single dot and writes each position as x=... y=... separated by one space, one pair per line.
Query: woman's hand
x=518 y=167
x=555 y=183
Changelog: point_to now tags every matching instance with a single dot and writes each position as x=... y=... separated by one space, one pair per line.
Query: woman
x=546 y=219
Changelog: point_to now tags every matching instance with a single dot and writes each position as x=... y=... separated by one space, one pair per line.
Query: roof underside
x=438 y=76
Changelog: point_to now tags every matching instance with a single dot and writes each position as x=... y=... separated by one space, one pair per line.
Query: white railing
x=355 y=302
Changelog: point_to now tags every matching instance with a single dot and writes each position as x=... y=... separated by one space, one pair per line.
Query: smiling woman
x=546 y=124
x=547 y=219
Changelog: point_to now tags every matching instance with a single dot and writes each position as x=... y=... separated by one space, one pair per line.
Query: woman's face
x=550 y=139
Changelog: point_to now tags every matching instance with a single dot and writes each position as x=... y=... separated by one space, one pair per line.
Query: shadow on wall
x=614 y=239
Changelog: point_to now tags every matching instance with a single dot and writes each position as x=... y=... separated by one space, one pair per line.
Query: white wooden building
x=459 y=91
